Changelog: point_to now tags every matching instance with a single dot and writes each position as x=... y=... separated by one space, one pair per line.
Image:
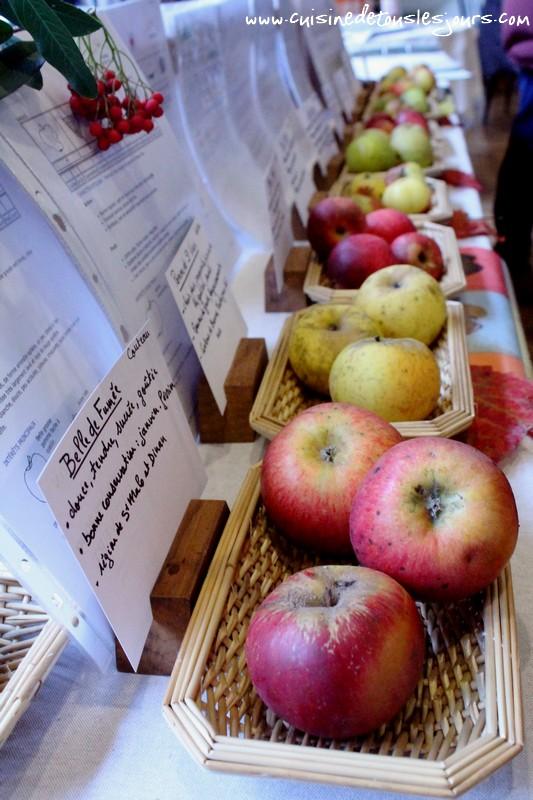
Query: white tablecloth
x=101 y=737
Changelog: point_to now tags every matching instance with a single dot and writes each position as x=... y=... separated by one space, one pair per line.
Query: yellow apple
x=318 y=335
x=410 y=195
x=405 y=301
x=398 y=379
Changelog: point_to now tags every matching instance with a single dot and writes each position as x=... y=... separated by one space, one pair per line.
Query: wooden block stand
x=240 y=386
x=178 y=585
x=292 y=296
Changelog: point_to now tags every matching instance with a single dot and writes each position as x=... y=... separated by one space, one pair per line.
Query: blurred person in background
x=513 y=210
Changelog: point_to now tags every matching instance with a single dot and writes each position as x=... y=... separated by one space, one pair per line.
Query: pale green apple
x=392 y=76
x=410 y=195
x=318 y=335
x=405 y=301
x=371 y=151
x=415 y=98
x=413 y=144
x=423 y=77
x=397 y=379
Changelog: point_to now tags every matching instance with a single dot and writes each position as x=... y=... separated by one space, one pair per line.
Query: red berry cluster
x=112 y=118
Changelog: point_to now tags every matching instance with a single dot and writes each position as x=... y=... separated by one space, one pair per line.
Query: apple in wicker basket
x=405 y=301
x=437 y=515
x=389 y=224
x=330 y=220
x=336 y=651
x=421 y=251
x=313 y=468
x=356 y=257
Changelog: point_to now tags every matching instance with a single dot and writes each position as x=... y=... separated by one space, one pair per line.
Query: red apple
x=331 y=220
x=313 y=468
x=381 y=120
x=388 y=224
x=336 y=651
x=408 y=116
x=421 y=251
x=357 y=257
x=438 y=516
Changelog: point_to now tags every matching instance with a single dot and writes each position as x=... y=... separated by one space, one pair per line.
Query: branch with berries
x=124 y=104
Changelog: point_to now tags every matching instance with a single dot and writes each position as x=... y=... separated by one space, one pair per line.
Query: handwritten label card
x=119 y=482
x=209 y=310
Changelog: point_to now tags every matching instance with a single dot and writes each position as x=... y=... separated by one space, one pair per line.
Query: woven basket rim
x=501 y=740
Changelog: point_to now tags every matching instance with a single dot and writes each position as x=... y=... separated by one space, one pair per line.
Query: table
x=87 y=736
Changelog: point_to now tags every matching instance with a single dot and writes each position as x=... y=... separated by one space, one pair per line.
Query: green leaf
x=6 y=31
x=20 y=64
x=78 y=22
x=55 y=43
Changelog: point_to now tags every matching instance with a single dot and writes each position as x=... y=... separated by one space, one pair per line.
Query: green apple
x=415 y=98
x=423 y=77
x=413 y=144
x=405 y=301
x=410 y=195
x=397 y=379
x=371 y=151
x=392 y=76
x=407 y=170
x=445 y=108
x=318 y=335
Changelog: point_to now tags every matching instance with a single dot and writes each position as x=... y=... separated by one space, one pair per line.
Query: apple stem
x=328 y=453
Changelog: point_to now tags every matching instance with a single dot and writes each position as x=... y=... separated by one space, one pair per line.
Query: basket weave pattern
x=21 y=622
x=446 y=710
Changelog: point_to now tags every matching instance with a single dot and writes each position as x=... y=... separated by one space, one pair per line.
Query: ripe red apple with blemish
x=357 y=257
x=336 y=651
x=330 y=221
x=436 y=515
x=389 y=224
x=313 y=468
x=420 y=251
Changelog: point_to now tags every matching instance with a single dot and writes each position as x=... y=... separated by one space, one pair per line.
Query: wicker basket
x=440 y=204
x=282 y=395
x=30 y=644
x=320 y=289
x=462 y=723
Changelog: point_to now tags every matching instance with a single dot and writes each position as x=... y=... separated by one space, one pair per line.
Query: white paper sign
x=119 y=482
x=296 y=152
x=56 y=346
x=316 y=119
x=236 y=38
x=231 y=173
x=209 y=310
x=130 y=205
x=140 y=25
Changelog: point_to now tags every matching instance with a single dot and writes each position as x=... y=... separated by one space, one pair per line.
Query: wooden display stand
x=240 y=387
x=291 y=297
x=178 y=585
x=325 y=180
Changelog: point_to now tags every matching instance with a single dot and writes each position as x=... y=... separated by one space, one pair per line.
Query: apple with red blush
x=408 y=116
x=313 y=468
x=336 y=651
x=420 y=251
x=389 y=224
x=356 y=257
x=438 y=516
x=382 y=121
x=330 y=221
